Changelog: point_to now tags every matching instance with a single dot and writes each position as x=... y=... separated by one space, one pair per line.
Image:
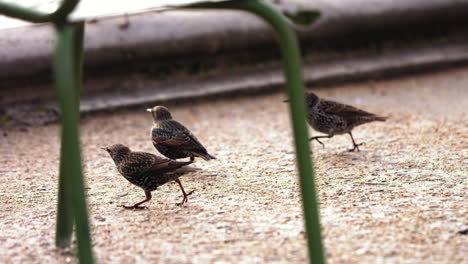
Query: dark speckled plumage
x=334 y=118
x=148 y=171
x=174 y=140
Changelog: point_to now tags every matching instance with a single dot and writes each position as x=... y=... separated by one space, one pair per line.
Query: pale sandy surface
x=401 y=200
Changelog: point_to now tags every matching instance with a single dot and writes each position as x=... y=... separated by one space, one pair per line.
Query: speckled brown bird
x=333 y=118
x=148 y=171
x=174 y=140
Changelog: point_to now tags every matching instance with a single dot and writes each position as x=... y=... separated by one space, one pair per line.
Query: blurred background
x=143 y=58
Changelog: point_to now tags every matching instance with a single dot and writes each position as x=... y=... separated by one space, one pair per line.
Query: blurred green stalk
x=28 y=14
x=71 y=199
x=68 y=62
x=295 y=88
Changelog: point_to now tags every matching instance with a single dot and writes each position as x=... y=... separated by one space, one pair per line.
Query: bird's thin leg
x=355 y=146
x=317 y=138
x=137 y=205
x=185 y=199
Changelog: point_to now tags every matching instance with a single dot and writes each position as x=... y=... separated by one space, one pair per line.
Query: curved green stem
x=71 y=199
x=295 y=88
x=16 y=11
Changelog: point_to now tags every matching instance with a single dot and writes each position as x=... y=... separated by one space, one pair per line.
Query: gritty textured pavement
x=402 y=199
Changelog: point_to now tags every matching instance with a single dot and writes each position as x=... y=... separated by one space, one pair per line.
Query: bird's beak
x=149 y=110
x=104 y=148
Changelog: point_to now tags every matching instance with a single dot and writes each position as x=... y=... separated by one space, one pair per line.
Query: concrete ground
x=402 y=199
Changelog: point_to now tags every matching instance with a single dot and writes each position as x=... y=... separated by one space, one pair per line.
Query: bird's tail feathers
x=188 y=169
x=205 y=156
x=380 y=118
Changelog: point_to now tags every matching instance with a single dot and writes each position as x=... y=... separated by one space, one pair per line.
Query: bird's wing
x=147 y=163
x=193 y=140
x=163 y=165
x=195 y=144
x=172 y=138
x=138 y=162
x=343 y=110
x=178 y=135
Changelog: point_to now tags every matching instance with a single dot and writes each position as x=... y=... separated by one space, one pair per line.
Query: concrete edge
x=391 y=64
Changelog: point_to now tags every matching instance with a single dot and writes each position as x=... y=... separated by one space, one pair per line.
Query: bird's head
x=311 y=99
x=117 y=151
x=160 y=113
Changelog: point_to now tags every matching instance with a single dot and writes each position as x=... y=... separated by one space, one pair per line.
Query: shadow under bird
x=148 y=171
x=333 y=118
x=174 y=140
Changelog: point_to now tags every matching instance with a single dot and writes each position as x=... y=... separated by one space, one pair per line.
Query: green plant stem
x=295 y=88
x=72 y=205
x=28 y=14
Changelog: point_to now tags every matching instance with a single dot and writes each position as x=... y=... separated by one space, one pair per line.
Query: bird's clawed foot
x=185 y=199
x=316 y=138
x=356 y=147
x=133 y=207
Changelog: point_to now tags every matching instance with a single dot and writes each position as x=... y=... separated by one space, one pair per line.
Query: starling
x=148 y=171
x=174 y=140
x=333 y=118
